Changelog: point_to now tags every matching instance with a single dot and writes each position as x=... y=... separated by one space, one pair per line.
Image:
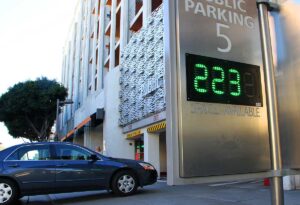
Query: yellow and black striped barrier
x=157 y=127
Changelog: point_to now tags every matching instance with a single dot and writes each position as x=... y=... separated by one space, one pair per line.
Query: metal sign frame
x=173 y=145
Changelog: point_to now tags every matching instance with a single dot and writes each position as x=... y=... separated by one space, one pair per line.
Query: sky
x=32 y=36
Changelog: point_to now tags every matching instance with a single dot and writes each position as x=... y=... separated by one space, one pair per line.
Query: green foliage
x=28 y=109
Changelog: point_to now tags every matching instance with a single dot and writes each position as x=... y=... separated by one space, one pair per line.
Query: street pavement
x=242 y=193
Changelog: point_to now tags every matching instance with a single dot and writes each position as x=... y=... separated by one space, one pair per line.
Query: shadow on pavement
x=34 y=200
x=21 y=202
x=67 y=198
x=95 y=196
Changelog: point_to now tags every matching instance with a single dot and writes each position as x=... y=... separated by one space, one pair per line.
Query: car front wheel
x=8 y=192
x=124 y=183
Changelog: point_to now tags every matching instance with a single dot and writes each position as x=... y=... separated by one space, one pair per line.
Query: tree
x=28 y=109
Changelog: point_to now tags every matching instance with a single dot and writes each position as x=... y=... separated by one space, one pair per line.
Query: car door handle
x=13 y=165
x=61 y=165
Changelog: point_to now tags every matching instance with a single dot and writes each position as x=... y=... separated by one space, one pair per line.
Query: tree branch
x=44 y=129
x=32 y=125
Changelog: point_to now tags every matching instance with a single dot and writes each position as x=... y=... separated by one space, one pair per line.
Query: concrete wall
x=79 y=49
x=114 y=143
x=93 y=137
x=91 y=103
x=78 y=139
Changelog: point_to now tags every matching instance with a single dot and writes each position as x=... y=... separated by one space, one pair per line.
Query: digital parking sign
x=222 y=81
x=215 y=92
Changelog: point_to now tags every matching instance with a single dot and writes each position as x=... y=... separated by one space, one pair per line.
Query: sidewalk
x=247 y=193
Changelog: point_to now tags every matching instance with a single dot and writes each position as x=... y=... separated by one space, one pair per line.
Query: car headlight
x=147 y=166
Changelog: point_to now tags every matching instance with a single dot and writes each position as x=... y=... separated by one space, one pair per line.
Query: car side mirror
x=94 y=157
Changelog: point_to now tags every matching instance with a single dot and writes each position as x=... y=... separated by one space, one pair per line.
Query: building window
x=156 y=4
x=137 y=22
x=99 y=6
x=96 y=56
x=96 y=83
x=98 y=24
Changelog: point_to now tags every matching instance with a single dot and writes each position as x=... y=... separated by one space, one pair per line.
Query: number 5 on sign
x=219 y=34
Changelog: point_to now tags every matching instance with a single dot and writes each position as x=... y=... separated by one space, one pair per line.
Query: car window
x=68 y=152
x=37 y=152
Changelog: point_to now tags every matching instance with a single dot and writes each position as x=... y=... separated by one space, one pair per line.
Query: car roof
x=35 y=143
x=8 y=150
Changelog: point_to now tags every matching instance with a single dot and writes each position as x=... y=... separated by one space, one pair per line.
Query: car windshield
x=4 y=150
x=7 y=150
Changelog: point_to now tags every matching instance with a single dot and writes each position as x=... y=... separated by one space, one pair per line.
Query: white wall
x=91 y=103
x=115 y=144
x=291 y=182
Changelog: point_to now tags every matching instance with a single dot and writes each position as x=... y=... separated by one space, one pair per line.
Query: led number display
x=222 y=81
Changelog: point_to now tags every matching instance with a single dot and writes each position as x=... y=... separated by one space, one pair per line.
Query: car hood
x=127 y=161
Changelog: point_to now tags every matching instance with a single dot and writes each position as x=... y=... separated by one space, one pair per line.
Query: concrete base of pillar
x=151 y=150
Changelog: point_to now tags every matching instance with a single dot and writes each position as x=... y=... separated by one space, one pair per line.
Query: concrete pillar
x=151 y=150
x=124 y=30
x=94 y=42
x=78 y=30
x=114 y=143
x=113 y=34
x=147 y=7
x=87 y=50
x=77 y=64
x=69 y=108
x=101 y=45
